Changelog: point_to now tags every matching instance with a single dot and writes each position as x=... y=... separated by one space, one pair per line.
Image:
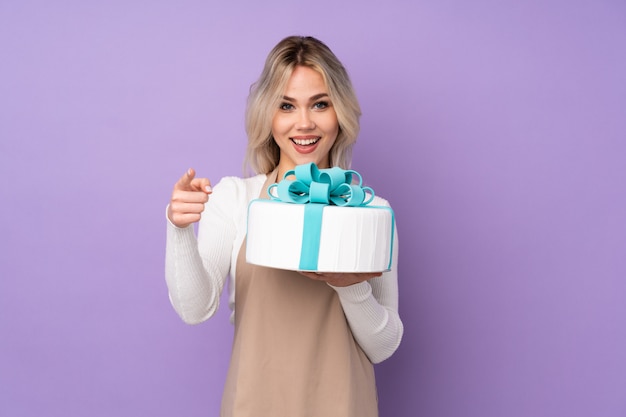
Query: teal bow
x=330 y=186
x=316 y=189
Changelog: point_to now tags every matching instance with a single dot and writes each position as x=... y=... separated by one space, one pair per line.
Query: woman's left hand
x=342 y=279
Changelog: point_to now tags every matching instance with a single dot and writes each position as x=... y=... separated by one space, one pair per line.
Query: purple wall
x=496 y=130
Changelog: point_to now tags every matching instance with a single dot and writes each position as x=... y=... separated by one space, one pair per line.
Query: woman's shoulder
x=234 y=182
x=239 y=188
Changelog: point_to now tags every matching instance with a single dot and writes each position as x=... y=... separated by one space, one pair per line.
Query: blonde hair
x=263 y=154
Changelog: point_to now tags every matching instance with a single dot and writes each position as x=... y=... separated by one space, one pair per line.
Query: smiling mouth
x=305 y=141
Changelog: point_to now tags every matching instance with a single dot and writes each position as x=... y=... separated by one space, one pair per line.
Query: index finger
x=188 y=182
x=184 y=182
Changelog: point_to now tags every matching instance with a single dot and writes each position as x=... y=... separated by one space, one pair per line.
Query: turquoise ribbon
x=317 y=188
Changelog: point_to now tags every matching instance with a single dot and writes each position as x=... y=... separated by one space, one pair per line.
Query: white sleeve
x=196 y=269
x=371 y=308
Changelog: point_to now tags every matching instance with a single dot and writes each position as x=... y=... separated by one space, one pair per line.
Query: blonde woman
x=305 y=343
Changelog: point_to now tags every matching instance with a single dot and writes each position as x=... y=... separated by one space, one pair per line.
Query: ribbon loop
x=319 y=193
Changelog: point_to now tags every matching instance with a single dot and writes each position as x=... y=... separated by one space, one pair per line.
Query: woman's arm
x=370 y=303
x=371 y=308
x=196 y=269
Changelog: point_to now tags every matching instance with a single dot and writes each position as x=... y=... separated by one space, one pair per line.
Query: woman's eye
x=286 y=106
x=320 y=105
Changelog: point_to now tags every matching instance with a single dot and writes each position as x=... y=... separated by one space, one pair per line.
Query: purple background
x=495 y=128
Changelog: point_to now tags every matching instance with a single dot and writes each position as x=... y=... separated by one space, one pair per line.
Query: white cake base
x=353 y=239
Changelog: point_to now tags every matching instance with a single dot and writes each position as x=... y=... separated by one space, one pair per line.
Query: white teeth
x=304 y=142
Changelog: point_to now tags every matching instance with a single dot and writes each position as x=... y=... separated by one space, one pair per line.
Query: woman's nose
x=305 y=121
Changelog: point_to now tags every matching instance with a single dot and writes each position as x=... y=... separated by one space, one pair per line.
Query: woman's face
x=305 y=125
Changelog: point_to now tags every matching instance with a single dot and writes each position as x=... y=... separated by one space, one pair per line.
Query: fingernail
x=208 y=188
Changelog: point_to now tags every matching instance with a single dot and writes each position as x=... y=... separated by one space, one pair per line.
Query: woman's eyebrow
x=312 y=98
x=318 y=96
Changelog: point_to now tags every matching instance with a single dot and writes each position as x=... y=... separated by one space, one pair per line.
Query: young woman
x=304 y=343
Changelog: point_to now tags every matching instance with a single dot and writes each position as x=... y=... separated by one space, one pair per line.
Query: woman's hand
x=188 y=199
x=342 y=279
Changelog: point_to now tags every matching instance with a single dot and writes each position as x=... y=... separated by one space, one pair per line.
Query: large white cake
x=351 y=239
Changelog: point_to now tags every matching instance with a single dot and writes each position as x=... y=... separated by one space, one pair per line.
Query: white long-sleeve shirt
x=196 y=270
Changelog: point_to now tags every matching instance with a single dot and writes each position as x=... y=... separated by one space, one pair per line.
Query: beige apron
x=293 y=351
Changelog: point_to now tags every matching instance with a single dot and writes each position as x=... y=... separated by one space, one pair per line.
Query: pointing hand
x=188 y=199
